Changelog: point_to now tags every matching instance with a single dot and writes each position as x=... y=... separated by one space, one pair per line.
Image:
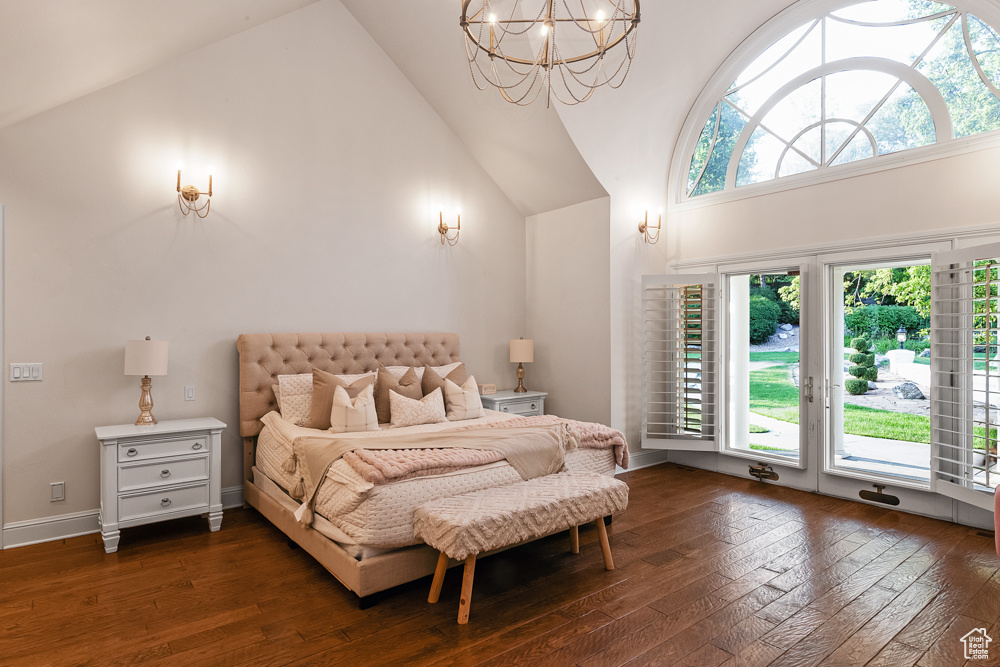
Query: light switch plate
x=25 y=372
x=189 y=392
x=57 y=491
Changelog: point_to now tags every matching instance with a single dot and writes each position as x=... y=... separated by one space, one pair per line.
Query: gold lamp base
x=520 y=380
x=146 y=417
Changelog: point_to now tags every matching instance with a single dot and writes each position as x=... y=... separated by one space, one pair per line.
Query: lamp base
x=146 y=417
x=520 y=380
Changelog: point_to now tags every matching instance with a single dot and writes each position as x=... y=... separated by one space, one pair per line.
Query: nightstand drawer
x=523 y=407
x=154 y=449
x=162 y=501
x=158 y=473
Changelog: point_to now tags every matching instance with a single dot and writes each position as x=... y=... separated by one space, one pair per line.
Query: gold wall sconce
x=645 y=227
x=443 y=229
x=188 y=196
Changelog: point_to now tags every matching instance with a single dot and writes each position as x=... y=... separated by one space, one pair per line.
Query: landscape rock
x=926 y=353
x=785 y=327
x=908 y=391
x=782 y=336
x=872 y=385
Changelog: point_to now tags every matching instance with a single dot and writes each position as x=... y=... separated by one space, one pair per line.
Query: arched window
x=851 y=82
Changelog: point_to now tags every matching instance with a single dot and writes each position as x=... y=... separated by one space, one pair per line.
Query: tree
x=909 y=287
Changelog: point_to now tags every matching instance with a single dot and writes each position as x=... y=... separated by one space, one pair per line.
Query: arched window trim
x=760 y=40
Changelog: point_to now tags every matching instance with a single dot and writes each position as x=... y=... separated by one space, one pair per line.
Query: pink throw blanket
x=380 y=466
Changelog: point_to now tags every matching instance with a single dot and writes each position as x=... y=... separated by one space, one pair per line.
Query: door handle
x=809 y=389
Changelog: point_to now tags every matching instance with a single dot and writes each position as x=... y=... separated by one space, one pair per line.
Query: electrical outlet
x=57 y=491
x=189 y=392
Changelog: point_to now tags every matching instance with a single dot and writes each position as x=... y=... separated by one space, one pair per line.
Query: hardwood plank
x=896 y=654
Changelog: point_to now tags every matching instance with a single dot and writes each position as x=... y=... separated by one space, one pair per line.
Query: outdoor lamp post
x=901 y=337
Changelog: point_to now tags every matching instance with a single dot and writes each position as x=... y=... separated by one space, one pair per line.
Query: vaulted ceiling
x=619 y=142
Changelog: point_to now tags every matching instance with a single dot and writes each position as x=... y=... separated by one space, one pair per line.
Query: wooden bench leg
x=438 y=580
x=574 y=539
x=465 y=602
x=609 y=563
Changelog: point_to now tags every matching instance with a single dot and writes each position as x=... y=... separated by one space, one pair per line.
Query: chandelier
x=517 y=51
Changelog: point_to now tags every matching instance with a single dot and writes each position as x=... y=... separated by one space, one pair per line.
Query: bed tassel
x=299 y=490
x=290 y=464
x=304 y=515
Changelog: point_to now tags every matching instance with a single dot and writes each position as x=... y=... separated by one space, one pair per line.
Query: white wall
x=329 y=172
x=568 y=308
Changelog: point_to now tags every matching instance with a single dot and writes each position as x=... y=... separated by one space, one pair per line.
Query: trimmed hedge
x=884 y=320
x=856 y=387
x=864 y=368
x=764 y=315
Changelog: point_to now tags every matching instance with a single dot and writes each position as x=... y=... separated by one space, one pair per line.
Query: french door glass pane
x=764 y=365
x=880 y=370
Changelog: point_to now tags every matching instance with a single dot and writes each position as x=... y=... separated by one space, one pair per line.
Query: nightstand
x=527 y=403
x=159 y=472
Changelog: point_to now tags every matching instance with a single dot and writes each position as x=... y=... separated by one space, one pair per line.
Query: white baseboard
x=23 y=533
x=232 y=497
x=49 y=529
x=645 y=458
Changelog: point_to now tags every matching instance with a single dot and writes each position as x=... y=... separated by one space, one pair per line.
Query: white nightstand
x=526 y=403
x=159 y=472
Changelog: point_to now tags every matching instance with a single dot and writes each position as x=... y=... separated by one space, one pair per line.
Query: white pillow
x=349 y=416
x=295 y=397
x=405 y=411
x=463 y=402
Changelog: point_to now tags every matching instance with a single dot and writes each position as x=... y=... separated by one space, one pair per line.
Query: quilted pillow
x=399 y=371
x=408 y=386
x=349 y=415
x=295 y=397
x=324 y=385
x=463 y=402
x=411 y=412
x=433 y=378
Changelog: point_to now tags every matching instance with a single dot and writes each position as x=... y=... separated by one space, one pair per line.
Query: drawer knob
x=132 y=451
x=196 y=445
x=165 y=473
x=533 y=405
x=165 y=502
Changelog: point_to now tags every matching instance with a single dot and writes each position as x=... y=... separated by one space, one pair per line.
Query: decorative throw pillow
x=434 y=380
x=324 y=385
x=408 y=386
x=463 y=402
x=411 y=412
x=296 y=397
x=277 y=395
x=400 y=371
x=351 y=415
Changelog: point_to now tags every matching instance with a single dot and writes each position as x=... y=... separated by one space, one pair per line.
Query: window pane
x=760 y=159
x=793 y=163
x=888 y=11
x=809 y=144
x=903 y=122
x=859 y=148
x=902 y=43
x=805 y=57
x=851 y=95
x=836 y=135
x=796 y=112
x=731 y=125
x=973 y=107
x=701 y=153
x=986 y=47
x=779 y=50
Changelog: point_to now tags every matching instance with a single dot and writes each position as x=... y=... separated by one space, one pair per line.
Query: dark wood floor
x=710 y=570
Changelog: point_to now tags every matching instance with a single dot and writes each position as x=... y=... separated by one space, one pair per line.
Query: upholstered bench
x=461 y=527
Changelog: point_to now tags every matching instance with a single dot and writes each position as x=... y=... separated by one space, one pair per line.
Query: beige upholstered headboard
x=263 y=357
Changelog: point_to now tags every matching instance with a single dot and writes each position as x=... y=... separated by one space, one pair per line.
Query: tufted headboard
x=263 y=357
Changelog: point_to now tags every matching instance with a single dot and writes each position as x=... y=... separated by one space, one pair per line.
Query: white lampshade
x=146 y=357
x=522 y=351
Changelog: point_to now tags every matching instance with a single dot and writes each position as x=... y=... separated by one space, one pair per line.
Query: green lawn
x=772 y=394
x=778 y=357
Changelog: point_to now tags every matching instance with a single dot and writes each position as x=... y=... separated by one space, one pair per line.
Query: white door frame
x=3 y=356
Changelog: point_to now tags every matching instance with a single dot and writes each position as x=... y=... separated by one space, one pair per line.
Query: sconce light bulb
x=493 y=19
x=545 y=30
x=600 y=16
x=180 y=165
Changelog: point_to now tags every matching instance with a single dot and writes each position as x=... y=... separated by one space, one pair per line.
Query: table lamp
x=521 y=351
x=145 y=358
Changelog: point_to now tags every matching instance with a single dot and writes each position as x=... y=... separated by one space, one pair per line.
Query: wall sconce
x=443 y=229
x=188 y=196
x=644 y=228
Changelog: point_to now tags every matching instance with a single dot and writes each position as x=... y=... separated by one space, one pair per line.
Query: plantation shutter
x=679 y=361
x=965 y=378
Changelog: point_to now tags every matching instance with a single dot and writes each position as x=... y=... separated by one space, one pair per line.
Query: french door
x=795 y=405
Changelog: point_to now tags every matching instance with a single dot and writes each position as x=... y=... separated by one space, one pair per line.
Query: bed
x=361 y=533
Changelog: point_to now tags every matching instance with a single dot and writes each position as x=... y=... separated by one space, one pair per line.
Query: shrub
x=788 y=314
x=884 y=320
x=764 y=315
x=861 y=344
x=885 y=344
x=856 y=387
x=862 y=359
